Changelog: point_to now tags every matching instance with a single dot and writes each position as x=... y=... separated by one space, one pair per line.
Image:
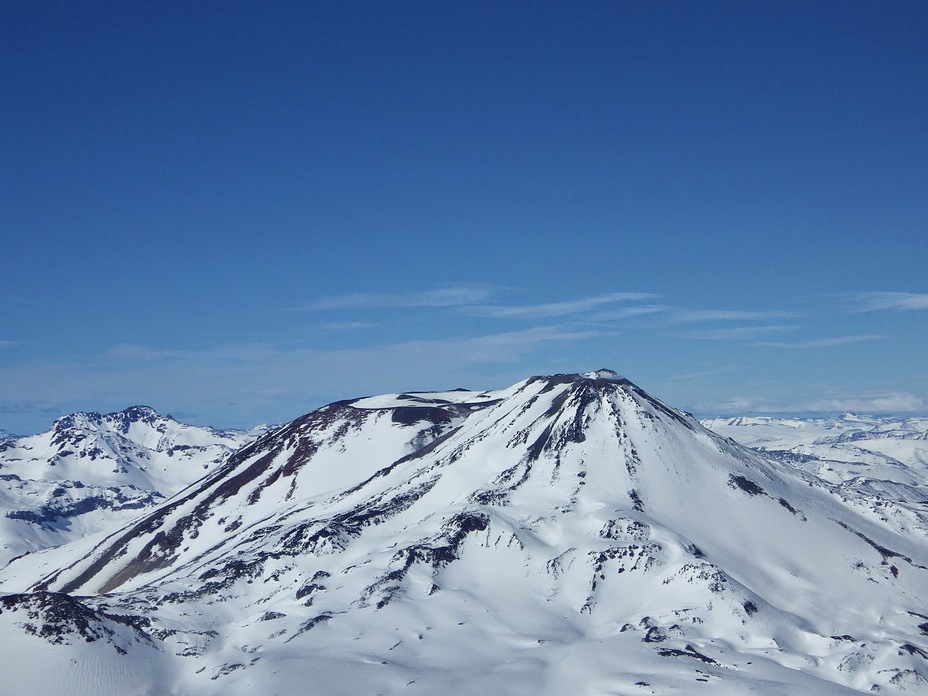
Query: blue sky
x=236 y=212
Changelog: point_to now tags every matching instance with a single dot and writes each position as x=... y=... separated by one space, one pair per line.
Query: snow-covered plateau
x=570 y=534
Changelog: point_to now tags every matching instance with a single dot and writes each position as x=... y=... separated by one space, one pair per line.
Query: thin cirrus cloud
x=865 y=402
x=244 y=384
x=694 y=316
x=453 y=296
x=473 y=301
x=249 y=368
x=737 y=333
x=347 y=326
x=487 y=348
x=628 y=312
x=821 y=343
x=703 y=374
x=28 y=407
x=559 y=309
x=900 y=301
x=872 y=402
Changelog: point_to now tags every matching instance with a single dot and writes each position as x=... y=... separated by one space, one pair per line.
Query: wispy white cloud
x=903 y=301
x=449 y=296
x=703 y=374
x=132 y=351
x=244 y=384
x=28 y=407
x=347 y=326
x=557 y=309
x=737 y=333
x=693 y=316
x=863 y=402
x=871 y=402
x=490 y=348
x=128 y=354
x=473 y=300
x=8 y=344
x=739 y=405
x=820 y=343
x=628 y=312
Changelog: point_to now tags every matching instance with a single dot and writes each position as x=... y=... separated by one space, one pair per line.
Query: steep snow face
x=570 y=534
x=91 y=471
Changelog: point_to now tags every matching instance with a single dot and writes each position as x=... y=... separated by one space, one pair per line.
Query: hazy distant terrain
x=879 y=455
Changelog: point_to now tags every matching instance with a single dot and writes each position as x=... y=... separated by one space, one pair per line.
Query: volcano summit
x=570 y=534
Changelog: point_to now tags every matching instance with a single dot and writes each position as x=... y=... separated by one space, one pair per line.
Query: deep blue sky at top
x=235 y=211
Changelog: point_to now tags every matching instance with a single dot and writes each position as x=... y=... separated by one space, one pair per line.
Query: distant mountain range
x=874 y=455
x=92 y=471
x=571 y=534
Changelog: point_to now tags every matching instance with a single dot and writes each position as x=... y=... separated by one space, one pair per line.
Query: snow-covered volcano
x=570 y=534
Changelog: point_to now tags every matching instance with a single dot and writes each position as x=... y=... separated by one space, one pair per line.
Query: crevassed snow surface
x=568 y=535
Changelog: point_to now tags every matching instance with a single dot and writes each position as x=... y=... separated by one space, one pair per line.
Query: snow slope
x=570 y=534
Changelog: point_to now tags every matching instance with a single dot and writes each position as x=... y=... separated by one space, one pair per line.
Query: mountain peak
x=140 y=413
x=604 y=374
x=146 y=415
x=601 y=375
